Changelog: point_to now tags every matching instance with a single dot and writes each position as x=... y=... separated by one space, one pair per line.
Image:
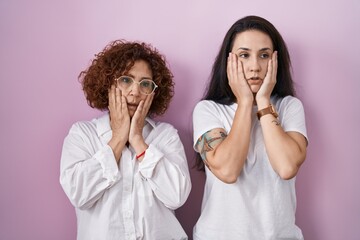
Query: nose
x=254 y=65
x=135 y=89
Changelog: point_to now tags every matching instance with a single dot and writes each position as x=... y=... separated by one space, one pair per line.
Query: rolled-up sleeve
x=84 y=174
x=165 y=168
x=151 y=159
x=108 y=164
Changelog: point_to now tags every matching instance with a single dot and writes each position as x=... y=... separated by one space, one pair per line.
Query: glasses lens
x=125 y=82
x=147 y=86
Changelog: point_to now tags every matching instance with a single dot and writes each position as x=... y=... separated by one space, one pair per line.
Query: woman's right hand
x=237 y=81
x=119 y=121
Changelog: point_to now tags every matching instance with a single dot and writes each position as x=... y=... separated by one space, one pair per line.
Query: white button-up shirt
x=132 y=200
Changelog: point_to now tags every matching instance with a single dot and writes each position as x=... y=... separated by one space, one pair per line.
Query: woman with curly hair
x=124 y=173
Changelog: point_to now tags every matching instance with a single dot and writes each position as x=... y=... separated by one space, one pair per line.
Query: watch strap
x=268 y=110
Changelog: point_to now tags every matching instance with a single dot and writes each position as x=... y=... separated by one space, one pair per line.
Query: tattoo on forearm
x=209 y=140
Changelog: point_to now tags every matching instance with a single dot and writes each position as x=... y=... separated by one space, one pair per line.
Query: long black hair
x=218 y=89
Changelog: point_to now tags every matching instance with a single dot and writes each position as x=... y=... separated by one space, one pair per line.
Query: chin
x=254 y=89
x=131 y=113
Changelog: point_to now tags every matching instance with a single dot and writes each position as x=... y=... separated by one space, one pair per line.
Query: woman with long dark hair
x=250 y=135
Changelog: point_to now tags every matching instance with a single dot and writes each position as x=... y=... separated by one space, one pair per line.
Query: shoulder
x=203 y=110
x=91 y=127
x=165 y=126
x=209 y=106
x=205 y=104
x=163 y=134
x=288 y=102
x=162 y=128
x=83 y=126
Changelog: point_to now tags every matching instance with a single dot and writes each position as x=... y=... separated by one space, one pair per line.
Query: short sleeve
x=206 y=116
x=292 y=115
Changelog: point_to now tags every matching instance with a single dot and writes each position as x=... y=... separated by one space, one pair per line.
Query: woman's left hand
x=138 y=121
x=264 y=93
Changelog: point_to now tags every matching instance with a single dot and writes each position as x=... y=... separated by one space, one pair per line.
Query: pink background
x=45 y=44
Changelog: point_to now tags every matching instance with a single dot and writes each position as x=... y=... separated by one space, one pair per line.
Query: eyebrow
x=132 y=76
x=248 y=49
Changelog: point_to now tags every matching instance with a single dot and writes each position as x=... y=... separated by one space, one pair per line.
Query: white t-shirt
x=130 y=201
x=259 y=205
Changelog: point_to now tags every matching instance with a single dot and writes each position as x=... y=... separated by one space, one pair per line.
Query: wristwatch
x=269 y=110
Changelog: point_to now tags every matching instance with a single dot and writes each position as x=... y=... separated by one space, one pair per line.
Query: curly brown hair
x=116 y=59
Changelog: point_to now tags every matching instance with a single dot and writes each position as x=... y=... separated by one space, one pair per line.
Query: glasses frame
x=133 y=81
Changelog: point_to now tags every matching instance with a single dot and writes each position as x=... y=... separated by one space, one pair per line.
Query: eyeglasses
x=146 y=86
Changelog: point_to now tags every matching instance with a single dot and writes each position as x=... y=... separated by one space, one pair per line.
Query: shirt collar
x=103 y=124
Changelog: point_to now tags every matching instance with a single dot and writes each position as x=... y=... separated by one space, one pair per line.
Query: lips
x=255 y=81
x=132 y=106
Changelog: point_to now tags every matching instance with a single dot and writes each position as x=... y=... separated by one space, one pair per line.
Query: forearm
x=139 y=145
x=85 y=180
x=168 y=175
x=286 y=153
x=171 y=184
x=117 y=145
x=228 y=159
